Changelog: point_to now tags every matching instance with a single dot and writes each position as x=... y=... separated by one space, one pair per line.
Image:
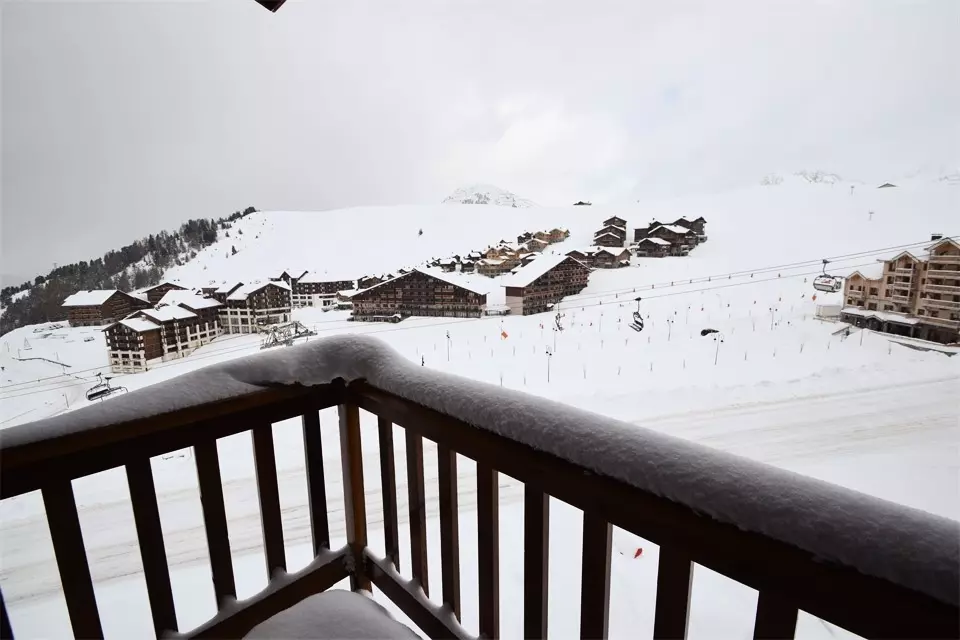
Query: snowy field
x=782 y=387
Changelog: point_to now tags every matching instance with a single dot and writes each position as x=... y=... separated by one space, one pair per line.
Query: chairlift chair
x=826 y=282
x=637 y=323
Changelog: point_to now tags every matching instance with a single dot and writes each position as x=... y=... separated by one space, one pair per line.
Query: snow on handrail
x=903 y=545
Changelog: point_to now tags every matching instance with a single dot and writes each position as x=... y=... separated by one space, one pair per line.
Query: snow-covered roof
x=886 y=316
x=659 y=241
x=189 y=298
x=671 y=227
x=614 y=251
x=139 y=324
x=608 y=234
x=93 y=297
x=312 y=277
x=167 y=313
x=493 y=261
x=246 y=290
x=527 y=274
x=454 y=280
x=226 y=287
x=610 y=226
x=162 y=283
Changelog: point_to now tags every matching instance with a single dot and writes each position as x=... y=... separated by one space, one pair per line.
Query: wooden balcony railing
x=873 y=567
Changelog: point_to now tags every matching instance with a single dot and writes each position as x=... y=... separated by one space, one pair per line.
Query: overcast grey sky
x=122 y=118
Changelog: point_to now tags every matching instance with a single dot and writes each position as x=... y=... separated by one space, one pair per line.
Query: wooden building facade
x=100 y=306
x=538 y=286
x=419 y=293
x=133 y=344
x=255 y=305
x=157 y=291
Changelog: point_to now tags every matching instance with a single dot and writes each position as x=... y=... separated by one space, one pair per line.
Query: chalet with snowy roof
x=255 y=305
x=608 y=239
x=468 y=266
x=157 y=291
x=696 y=225
x=493 y=267
x=558 y=234
x=448 y=264
x=583 y=255
x=615 y=221
x=682 y=240
x=535 y=244
x=652 y=248
x=100 y=306
x=317 y=290
x=541 y=284
x=133 y=345
x=610 y=258
x=641 y=233
x=420 y=293
x=612 y=234
x=523 y=237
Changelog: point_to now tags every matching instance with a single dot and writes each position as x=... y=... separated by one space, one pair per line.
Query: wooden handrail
x=899 y=578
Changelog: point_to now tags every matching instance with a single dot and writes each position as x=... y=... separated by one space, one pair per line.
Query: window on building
x=873 y=291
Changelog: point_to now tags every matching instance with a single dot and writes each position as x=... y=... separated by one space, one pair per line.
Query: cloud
x=123 y=118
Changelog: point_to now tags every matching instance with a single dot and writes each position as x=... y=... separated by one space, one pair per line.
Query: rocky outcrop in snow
x=487 y=194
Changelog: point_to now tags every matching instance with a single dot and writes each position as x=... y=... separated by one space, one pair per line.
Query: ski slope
x=782 y=387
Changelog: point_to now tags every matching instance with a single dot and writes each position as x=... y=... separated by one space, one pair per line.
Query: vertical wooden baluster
x=146 y=517
x=449 y=528
x=6 y=631
x=215 y=521
x=316 y=485
x=488 y=550
x=388 y=483
x=595 y=581
x=418 y=510
x=61 y=508
x=269 y=492
x=673 y=594
x=536 y=550
x=354 y=505
x=776 y=618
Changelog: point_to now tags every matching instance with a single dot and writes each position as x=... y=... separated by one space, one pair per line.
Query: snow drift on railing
x=879 y=538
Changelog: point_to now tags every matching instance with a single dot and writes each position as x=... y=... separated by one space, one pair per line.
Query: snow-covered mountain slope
x=748 y=229
x=487 y=194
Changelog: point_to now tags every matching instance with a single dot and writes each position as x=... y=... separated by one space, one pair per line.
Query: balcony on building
x=872 y=567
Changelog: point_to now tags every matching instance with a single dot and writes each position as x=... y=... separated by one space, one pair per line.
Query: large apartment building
x=100 y=307
x=917 y=296
x=544 y=282
x=316 y=290
x=419 y=293
x=256 y=304
x=181 y=322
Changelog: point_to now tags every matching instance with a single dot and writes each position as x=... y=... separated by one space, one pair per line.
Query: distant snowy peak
x=804 y=176
x=487 y=194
